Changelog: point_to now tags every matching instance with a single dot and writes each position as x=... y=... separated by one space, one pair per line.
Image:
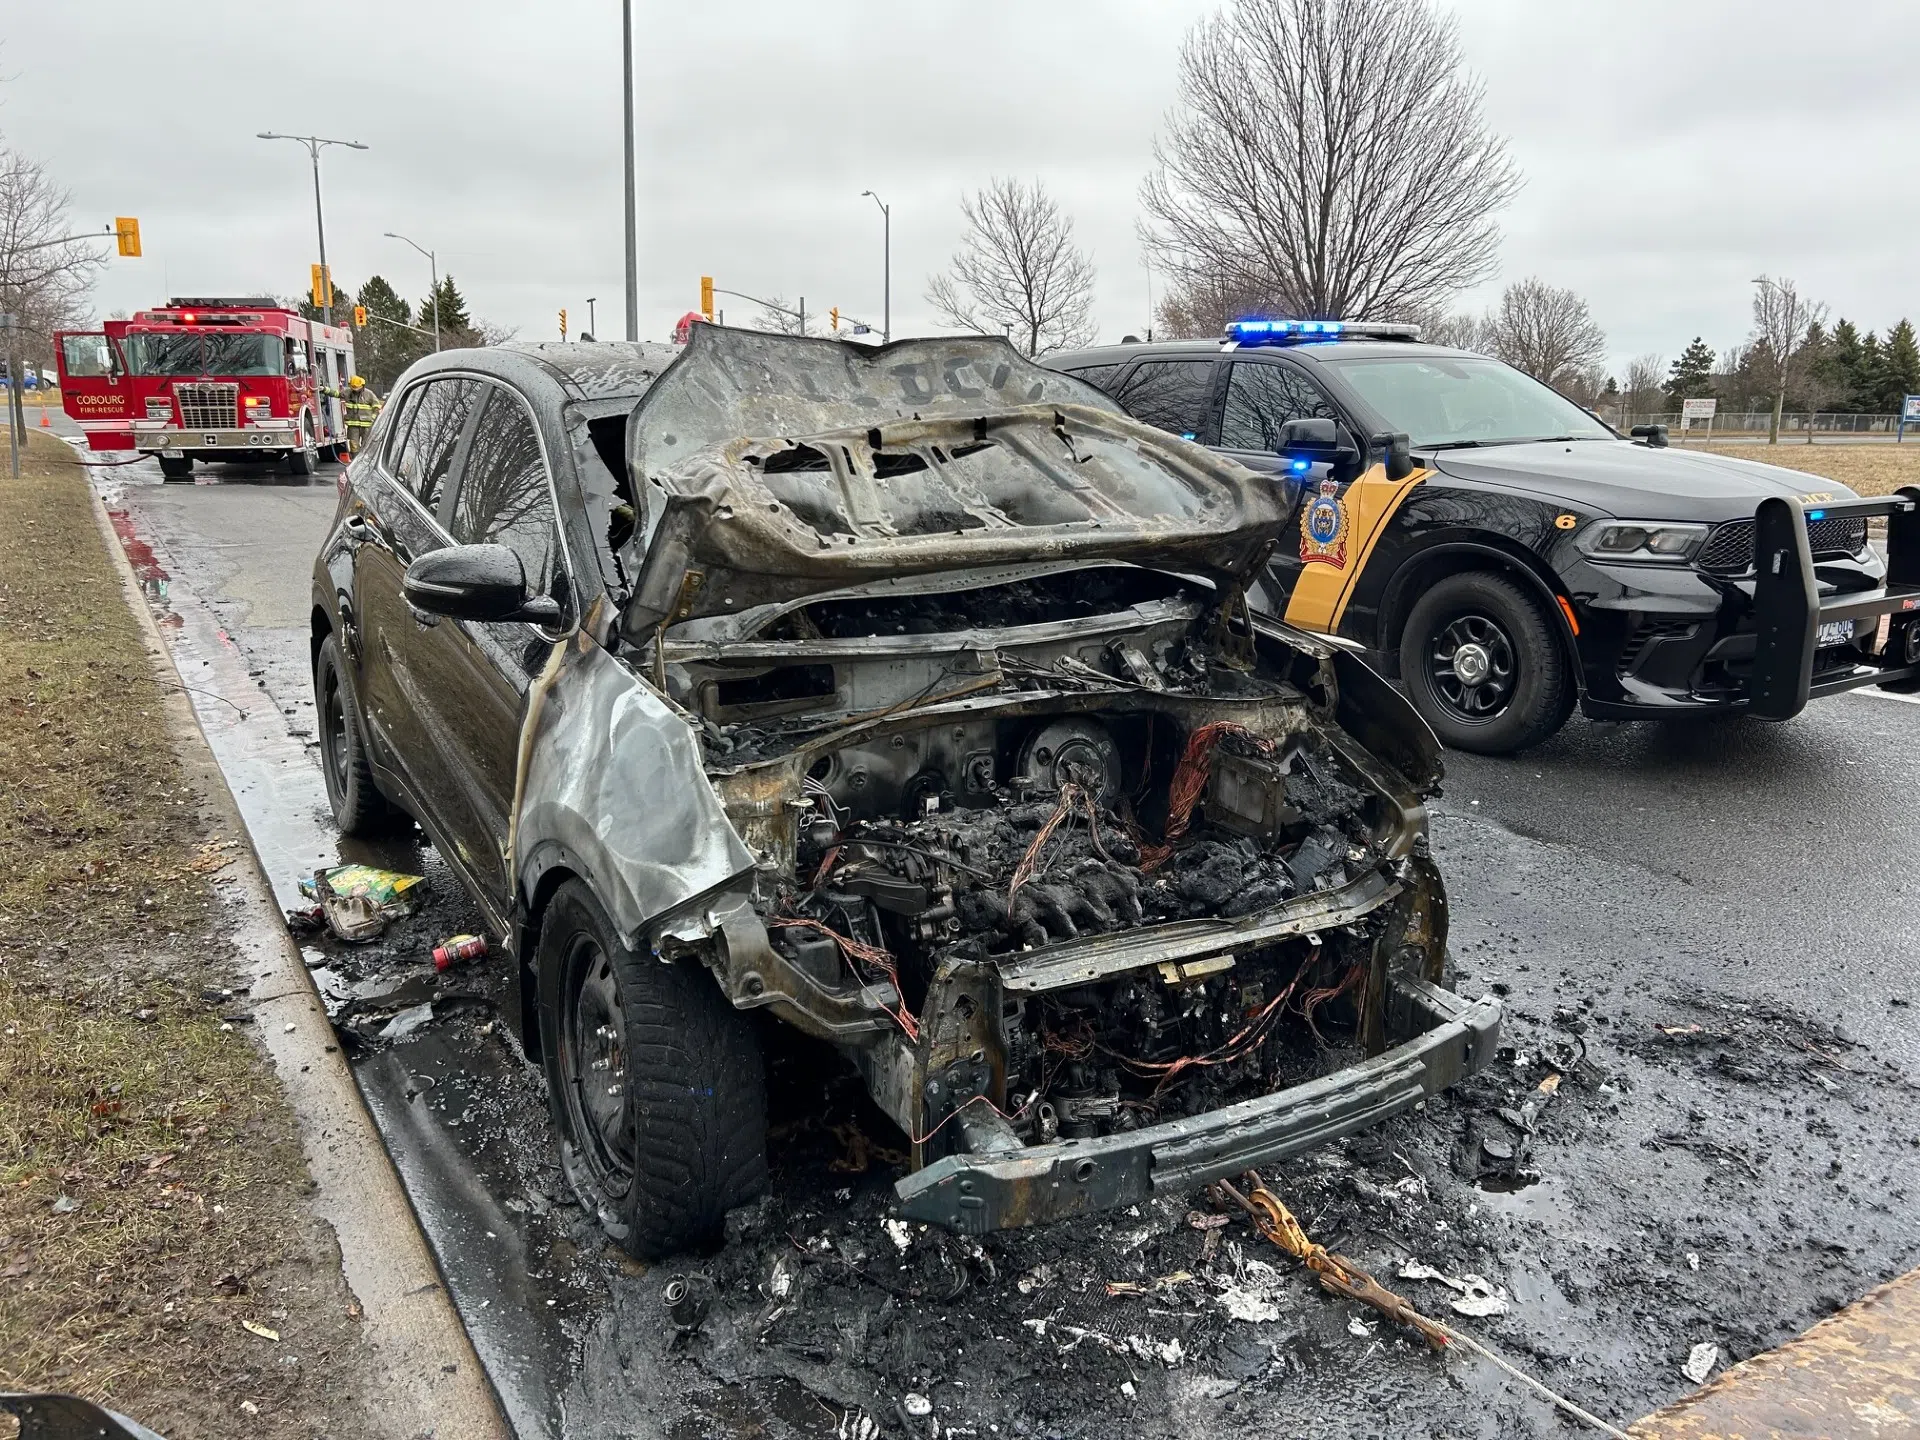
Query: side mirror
x=1396 y=454
x=475 y=582
x=1654 y=435
x=1313 y=437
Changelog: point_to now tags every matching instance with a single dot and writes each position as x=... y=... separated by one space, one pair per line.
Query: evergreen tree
x=1691 y=376
x=386 y=347
x=1899 y=367
x=452 y=308
x=1873 y=378
x=1840 y=367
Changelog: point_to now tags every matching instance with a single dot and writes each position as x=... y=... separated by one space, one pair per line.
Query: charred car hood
x=766 y=468
x=1617 y=477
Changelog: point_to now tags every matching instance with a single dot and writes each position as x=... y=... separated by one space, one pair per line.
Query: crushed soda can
x=460 y=947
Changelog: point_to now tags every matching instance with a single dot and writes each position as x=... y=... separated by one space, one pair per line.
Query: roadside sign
x=1909 y=415
x=1691 y=410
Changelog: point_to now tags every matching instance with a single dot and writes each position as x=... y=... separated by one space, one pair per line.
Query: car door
x=471 y=678
x=1174 y=394
x=393 y=519
x=1262 y=395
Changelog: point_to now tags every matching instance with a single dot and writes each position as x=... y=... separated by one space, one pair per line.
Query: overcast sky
x=1672 y=150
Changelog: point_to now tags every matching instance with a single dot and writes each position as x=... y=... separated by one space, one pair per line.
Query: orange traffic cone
x=45 y=424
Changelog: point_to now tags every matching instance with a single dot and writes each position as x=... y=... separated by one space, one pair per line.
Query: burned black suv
x=1509 y=555
x=909 y=697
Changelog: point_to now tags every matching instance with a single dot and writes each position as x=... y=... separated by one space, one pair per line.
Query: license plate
x=1835 y=632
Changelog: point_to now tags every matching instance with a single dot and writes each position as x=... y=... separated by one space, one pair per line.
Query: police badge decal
x=1323 y=529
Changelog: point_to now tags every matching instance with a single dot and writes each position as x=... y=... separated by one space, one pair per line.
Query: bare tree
x=1645 y=390
x=44 y=285
x=1018 y=271
x=1461 y=330
x=1333 y=154
x=1782 y=319
x=780 y=318
x=1546 y=331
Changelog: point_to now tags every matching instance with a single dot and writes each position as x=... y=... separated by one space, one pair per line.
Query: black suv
x=908 y=697
x=1519 y=555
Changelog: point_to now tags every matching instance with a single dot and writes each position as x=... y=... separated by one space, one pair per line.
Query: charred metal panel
x=828 y=465
x=614 y=789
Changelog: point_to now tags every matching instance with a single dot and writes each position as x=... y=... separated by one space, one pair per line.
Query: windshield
x=1444 y=400
x=191 y=352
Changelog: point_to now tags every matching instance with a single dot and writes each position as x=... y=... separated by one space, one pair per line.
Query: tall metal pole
x=320 y=224
x=433 y=269
x=315 y=144
x=633 y=237
x=886 y=266
x=593 y=326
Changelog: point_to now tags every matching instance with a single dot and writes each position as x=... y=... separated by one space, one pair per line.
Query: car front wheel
x=655 y=1081
x=1482 y=662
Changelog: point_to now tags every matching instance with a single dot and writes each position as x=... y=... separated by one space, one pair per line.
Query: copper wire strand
x=1243 y=1042
x=1314 y=999
x=859 y=955
x=1189 y=780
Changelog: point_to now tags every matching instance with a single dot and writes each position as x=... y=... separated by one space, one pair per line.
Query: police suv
x=1511 y=555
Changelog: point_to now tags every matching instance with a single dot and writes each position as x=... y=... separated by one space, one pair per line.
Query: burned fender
x=612 y=788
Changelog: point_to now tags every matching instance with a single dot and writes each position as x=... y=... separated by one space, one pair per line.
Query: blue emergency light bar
x=1288 y=332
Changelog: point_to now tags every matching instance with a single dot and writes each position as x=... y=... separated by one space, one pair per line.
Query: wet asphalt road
x=1618 y=878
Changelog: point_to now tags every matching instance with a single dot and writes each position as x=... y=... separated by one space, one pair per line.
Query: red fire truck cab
x=210 y=379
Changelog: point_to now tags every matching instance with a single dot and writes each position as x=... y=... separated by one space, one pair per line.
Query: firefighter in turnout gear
x=362 y=408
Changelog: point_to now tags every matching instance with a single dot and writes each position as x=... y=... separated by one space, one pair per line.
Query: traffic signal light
x=359 y=317
x=126 y=234
x=834 y=315
x=706 y=296
x=322 y=287
x=563 y=324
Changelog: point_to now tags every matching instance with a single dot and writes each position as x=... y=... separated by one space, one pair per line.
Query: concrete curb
x=427 y=1379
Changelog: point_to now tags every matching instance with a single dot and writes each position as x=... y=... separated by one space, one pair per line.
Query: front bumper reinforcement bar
x=977 y=1193
x=1788 y=608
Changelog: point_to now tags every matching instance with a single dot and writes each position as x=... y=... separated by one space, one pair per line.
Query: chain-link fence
x=1754 y=422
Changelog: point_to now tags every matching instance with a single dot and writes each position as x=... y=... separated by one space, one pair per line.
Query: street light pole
x=633 y=239
x=593 y=327
x=886 y=270
x=433 y=269
x=314 y=146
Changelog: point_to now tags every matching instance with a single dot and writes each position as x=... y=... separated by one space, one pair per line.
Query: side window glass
x=1261 y=398
x=430 y=434
x=504 y=497
x=1098 y=376
x=1171 y=394
x=87 y=357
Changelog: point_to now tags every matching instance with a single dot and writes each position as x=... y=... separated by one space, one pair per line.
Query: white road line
x=1888 y=695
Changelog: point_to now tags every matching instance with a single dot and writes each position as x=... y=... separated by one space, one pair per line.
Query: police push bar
x=1789 y=608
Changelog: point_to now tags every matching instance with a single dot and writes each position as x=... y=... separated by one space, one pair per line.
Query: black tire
x=176 y=468
x=685 y=1138
x=1525 y=689
x=358 y=806
x=301 y=462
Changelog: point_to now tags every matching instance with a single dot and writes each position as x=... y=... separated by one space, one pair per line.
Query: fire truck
x=210 y=379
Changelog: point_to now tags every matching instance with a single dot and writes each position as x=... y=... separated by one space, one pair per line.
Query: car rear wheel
x=358 y=806
x=656 y=1084
x=176 y=467
x=1482 y=662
